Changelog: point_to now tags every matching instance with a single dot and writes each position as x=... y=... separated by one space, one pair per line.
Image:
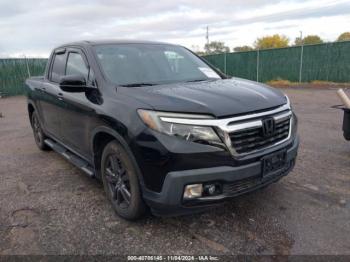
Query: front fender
x=122 y=141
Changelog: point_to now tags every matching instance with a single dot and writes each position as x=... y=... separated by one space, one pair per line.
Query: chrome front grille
x=242 y=134
x=252 y=139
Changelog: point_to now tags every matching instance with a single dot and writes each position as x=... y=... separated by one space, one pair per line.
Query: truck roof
x=111 y=41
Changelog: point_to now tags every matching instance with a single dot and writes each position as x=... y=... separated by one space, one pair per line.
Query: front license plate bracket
x=273 y=162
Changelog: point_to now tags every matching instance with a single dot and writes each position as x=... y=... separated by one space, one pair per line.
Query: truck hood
x=224 y=97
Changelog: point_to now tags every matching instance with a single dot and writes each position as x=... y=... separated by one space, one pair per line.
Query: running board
x=71 y=157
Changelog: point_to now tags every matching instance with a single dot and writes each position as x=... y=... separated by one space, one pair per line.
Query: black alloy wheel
x=39 y=135
x=118 y=181
x=121 y=182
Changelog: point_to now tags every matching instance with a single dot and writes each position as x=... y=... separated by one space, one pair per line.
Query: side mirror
x=73 y=83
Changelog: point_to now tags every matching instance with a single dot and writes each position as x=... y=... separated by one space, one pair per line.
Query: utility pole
x=301 y=55
x=257 y=64
x=207 y=35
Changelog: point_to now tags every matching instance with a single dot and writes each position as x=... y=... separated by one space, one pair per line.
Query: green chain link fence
x=324 y=62
x=14 y=71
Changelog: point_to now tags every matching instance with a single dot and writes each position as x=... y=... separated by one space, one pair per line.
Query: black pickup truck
x=160 y=126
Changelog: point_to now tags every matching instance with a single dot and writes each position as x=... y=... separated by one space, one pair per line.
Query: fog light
x=193 y=191
x=210 y=189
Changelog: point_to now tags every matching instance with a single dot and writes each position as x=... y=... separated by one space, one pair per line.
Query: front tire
x=121 y=182
x=39 y=135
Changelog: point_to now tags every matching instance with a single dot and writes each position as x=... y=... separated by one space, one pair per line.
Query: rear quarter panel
x=32 y=90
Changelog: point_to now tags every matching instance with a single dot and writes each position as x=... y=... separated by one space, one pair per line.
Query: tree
x=344 y=37
x=216 y=47
x=243 y=48
x=196 y=49
x=200 y=53
x=308 y=40
x=274 y=41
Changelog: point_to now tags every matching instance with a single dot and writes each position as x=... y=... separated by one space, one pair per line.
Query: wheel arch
x=31 y=108
x=100 y=137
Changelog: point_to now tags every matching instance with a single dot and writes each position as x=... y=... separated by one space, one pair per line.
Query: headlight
x=197 y=134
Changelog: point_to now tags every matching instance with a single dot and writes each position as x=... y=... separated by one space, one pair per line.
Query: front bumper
x=240 y=179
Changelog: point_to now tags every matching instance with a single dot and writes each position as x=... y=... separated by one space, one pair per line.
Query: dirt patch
x=313 y=85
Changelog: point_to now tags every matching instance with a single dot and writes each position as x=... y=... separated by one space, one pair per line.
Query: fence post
x=328 y=44
x=301 y=60
x=28 y=71
x=225 y=63
x=257 y=65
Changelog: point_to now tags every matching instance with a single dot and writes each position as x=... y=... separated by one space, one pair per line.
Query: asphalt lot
x=47 y=206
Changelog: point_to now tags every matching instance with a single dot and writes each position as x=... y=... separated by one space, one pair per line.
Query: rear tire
x=121 y=183
x=39 y=135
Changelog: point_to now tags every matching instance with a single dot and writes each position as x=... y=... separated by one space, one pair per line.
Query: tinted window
x=76 y=65
x=58 y=67
x=151 y=63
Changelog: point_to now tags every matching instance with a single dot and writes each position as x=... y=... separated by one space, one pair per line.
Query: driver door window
x=76 y=65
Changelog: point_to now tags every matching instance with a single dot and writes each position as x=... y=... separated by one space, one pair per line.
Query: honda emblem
x=268 y=127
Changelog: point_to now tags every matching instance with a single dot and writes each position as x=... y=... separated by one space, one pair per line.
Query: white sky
x=35 y=27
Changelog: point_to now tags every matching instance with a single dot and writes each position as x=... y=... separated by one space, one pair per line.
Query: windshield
x=151 y=64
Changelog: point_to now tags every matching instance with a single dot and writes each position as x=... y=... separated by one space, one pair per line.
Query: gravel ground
x=47 y=206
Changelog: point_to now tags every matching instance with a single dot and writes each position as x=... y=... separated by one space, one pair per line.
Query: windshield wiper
x=197 y=80
x=138 y=84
